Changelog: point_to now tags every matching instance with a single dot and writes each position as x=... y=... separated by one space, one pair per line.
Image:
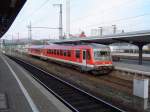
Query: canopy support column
x=140 y=53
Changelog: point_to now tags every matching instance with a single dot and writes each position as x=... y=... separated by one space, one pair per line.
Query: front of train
x=102 y=60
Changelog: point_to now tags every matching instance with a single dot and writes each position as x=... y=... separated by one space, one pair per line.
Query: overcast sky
x=130 y=15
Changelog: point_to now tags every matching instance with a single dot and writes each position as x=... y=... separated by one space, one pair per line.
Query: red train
x=95 y=58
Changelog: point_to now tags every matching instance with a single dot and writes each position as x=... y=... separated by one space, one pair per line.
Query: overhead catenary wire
x=90 y=25
x=104 y=11
x=36 y=10
x=122 y=19
x=41 y=6
x=79 y=19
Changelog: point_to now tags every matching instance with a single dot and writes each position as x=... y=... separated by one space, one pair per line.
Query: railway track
x=117 y=81
x=74 y=98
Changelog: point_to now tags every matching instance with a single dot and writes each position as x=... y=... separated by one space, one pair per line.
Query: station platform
x=135 y=68
x=131 y=55
x=19 y=92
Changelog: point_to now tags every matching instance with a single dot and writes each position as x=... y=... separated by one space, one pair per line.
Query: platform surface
x=19 y=92
x=145 y=69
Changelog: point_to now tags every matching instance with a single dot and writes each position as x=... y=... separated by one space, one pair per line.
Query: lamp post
x=60 y=20
x=67 y=18
x=114 y=29
x=30 y=33
x=100 y=31
x=12 y=43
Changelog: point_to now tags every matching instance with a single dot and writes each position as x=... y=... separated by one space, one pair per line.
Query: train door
x=84 y=58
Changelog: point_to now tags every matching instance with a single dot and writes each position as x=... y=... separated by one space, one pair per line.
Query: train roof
x=56 y=46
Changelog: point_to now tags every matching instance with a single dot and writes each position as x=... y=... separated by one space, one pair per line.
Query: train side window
x=61 y=52
x=77 y=53
x=52 y=51
x=69 y=53
x=88 y=55
x=49 y=51
x=84 y=55
x=55 y=51
x=38 y=50
x=65 y=53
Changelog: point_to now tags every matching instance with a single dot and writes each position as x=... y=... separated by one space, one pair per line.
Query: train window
x=105 y=53
x=61 y=52
x=37 y=50
x=65 y=53
x=55 y=51
x=101 y=55
x=88 y=54
x=49 y=51
x=69 y=53
x=77 y=53
x=52 y=51
x=84 y=55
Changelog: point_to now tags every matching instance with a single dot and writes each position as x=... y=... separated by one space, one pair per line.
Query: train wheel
x=95 y=73
x=100 y=73
x=81 y=70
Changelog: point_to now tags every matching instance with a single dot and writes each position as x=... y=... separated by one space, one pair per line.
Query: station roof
x=9 y=9
x=56 y=46
x=138 y=37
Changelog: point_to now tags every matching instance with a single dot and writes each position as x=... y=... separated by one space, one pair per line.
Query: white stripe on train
x=66 y=61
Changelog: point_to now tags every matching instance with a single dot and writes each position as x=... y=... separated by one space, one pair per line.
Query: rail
x=73 y=97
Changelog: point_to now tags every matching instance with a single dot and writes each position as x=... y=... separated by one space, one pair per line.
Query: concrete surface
x=22 y=93
x=135 y=68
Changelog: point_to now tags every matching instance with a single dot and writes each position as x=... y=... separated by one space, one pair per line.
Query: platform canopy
x=9 y=9
x=138 y=37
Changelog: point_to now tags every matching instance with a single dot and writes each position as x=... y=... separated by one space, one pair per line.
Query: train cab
x=102 y=60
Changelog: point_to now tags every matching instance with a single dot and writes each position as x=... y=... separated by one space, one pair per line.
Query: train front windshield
x=102 y=55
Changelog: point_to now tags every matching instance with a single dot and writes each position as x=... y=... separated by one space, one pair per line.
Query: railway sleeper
x=100 y=109
x=75 y=95
x=82 y=102
x=59 y=89
x=67 y=92
x=84 y=108
x=73 y=98
x=56 y=82
x=70 y=96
